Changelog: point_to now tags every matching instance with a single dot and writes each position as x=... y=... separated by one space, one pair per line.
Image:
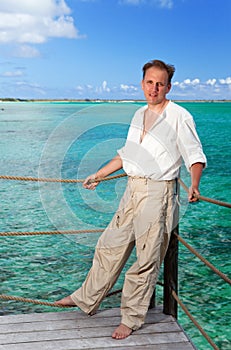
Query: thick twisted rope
x=32 y=301
x=27 y=233
x=206 y=199
x=194 y=321
x=206 y=262
x=35 y=179
x=37 y=233
x=23 y=178
x=190 y=248
x=46 y=303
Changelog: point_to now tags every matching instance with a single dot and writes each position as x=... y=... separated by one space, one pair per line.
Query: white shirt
x=159 y=155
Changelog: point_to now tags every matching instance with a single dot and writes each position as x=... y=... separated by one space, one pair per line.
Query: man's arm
x=114 y=165
x=196 y=172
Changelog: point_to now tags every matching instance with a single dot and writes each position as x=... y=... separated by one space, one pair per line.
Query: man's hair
x=170 y=69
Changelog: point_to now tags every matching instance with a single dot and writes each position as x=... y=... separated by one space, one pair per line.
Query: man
x=160 y=135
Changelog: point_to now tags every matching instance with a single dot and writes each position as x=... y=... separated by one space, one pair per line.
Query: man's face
x=155 y=85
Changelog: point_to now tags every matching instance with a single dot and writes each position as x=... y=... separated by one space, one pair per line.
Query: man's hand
x=191 y=194
x=89 y=183
x=196 y=172
x=114 y=165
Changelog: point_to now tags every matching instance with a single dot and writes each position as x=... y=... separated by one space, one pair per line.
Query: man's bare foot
x=67 y=301
x=122 y=332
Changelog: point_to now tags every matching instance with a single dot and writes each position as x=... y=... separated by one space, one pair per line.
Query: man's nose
x=155 y=87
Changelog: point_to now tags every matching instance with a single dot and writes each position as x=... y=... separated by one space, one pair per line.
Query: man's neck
x=158 y=107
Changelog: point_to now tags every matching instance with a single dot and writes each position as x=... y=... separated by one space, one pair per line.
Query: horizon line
x=15 y=99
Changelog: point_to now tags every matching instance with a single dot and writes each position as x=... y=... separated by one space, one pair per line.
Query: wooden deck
x=72 y=330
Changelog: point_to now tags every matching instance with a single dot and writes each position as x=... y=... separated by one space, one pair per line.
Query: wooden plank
x=70 y=314
x=58 y=325
x=174 y=346
x=100 y=342
x=86 y=322
x=23 y=337
x=75 y=330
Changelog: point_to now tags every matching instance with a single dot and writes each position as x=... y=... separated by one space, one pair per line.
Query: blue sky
x=81 y=49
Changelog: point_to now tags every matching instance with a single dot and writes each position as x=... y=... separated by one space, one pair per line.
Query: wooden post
x=171 y=276
x=153 y=300
x=171 y=268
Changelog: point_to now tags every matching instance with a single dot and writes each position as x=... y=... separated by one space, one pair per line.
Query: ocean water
x=72 y=140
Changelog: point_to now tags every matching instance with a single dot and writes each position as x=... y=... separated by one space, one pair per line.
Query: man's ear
x=169 y=87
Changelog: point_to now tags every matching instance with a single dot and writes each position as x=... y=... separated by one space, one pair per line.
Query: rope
x=206 y=262
x=113 y=293
x=194 y=321
x=46 y=303
x=32 y=301
x=21 y=299
x=206 y=199
x=65 y=232
x=23 y=178
x=39 y=302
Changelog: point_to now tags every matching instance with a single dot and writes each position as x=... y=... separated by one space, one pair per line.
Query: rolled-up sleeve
x=189 y=144
x=121 y=152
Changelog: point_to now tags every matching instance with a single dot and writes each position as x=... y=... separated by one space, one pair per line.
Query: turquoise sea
x=72 y=140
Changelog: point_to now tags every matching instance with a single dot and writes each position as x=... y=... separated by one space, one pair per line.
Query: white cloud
x=197 y=89
x=226 y=81
x=128 y=88
x=24 y=86
x=165 y=3
x=106 y=91
x=26 y=51
x=192 y=82
x=105 y=87
x=131 y=2
x=187 y=89
x=102 y=88
x=161 y=3
x=41 y=7
x=124 y=87
x=195 y=81
x=187 y=82
x=79 y=88
x=211 y=81
x=12 y=74
x=33 y=21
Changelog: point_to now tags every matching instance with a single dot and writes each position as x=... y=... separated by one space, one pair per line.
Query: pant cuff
x=133 y=325
x=81 y=306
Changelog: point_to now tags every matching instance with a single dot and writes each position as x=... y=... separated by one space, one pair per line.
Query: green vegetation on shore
x=12 y=99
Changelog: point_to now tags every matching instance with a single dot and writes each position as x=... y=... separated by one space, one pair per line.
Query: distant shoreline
x=99 y=100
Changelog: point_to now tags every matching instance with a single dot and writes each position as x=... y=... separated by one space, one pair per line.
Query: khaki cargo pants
x=144 y=219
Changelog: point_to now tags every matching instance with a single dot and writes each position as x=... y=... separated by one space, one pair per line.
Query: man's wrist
x=99 y=175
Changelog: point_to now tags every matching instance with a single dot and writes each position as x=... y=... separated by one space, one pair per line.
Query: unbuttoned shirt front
x=159 y=155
